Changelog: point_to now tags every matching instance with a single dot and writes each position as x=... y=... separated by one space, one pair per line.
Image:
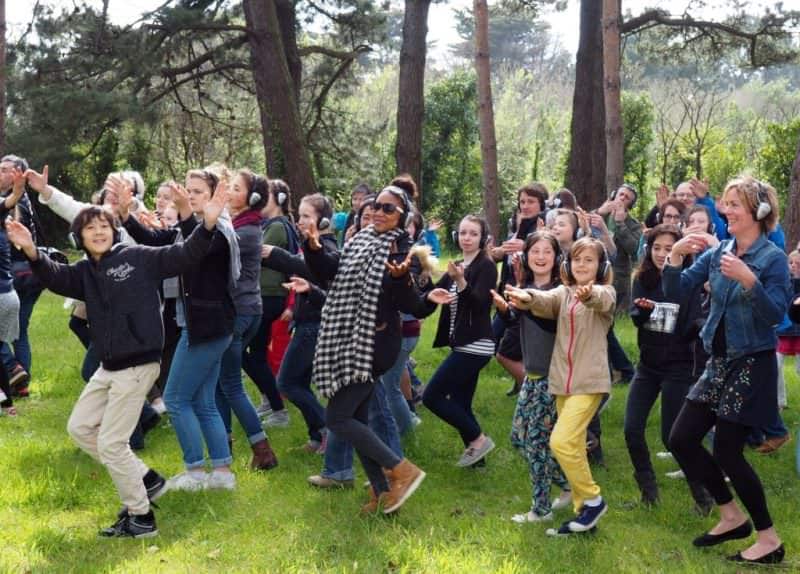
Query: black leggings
x=686 y=443
x=5 y=386
x=347 y=415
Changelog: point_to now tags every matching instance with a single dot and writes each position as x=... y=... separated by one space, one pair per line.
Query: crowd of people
x=323 y=310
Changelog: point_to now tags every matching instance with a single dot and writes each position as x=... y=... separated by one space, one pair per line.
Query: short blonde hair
x=751 y=192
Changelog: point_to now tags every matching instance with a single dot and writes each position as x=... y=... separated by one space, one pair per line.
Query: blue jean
x=451 y=388
x=230 y=390
x=22 y=346
x=255 y=352
x=294 y=377
x=338 y=463
x=391 y=383
x=189 y=396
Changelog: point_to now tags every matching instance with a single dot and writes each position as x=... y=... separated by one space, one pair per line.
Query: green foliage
x=778 y=154
x=637 y=125
x=451 y=172
x=724 y=162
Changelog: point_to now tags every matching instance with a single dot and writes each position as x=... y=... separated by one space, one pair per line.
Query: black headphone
x=254 y=198
x=76 y=241
x=630 y=188
x=764 y=208
x=324 y=218
x=603 y=268
x=484 y=233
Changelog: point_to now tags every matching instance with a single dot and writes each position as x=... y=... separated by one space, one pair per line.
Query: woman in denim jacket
x=750 y=292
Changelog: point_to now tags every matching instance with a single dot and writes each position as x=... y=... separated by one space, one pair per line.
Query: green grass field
x=53 y=498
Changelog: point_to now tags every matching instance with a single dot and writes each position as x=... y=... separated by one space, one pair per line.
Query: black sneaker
x=564 y=530
x=588 y=517
x=132 y=526
x=155 y=484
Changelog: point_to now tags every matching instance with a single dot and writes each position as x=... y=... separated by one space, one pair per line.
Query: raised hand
x=662 y=194
x=517 y=297
x=434 y=224
x=147 y=218
x=440 y=296
x=399 y=269
x=20 y=236
x=17 y=189
x=455 y=271
x=644 y=303
x=297 y=284
x=699 y=188
x=123 y=190
x=691 y=244
x=312 y=234
x=584 y=292
x=512 y=246
x=215 y=205
x=38 y=181
x=180 y=197
x=499 y=302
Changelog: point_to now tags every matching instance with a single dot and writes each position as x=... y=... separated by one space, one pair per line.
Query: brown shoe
x=403 y=481
x=263 y=457
x=371 y=507
x=772 y=444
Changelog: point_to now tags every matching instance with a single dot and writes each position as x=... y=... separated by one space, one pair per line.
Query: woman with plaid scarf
x=360 y=339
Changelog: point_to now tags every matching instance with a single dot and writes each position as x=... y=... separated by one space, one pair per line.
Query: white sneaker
x=264 y=409
x=220 y=479
x=678 y=474
x=189 y=481
x=563 y=501
x=277 y=419
x=531 y=516
x=664 y=454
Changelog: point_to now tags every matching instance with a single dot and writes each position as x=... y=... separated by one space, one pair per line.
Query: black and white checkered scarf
x=347 y=334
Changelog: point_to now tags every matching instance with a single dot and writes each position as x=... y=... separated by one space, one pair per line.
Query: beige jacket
x=580 y=356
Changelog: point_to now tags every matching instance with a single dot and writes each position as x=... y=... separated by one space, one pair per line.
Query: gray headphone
x=764 y=208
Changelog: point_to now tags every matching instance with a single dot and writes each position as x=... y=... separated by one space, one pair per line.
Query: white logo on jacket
x=121 y=272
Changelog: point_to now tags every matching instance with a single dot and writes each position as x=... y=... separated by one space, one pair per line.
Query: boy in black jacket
x=128 y=335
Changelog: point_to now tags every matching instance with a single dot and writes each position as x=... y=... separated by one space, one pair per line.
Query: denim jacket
x=751 y=316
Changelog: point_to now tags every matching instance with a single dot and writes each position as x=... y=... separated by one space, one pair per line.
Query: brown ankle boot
x=263 y=457
x=403 y=481
x=371 y=507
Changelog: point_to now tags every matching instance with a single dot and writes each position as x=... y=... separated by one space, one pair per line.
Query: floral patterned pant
x=533 y=421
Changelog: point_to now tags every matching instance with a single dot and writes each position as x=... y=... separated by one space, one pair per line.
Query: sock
x=597 y=501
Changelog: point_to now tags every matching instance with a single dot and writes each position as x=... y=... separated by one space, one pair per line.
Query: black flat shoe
x=742 y=531
x=514 y=391
x=774 y=557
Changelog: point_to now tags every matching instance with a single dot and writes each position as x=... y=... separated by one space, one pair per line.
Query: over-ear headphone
x=630 y=188
x=764 y=208
x=484 y=232
x=324 y=219
x=76 y=241
x=255 y=198
x=603 y=267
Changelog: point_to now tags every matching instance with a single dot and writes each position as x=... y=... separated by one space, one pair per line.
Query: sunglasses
x=387 y=208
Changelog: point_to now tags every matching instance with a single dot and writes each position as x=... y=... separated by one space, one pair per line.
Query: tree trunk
x=287 y=20
x=411 y=94
x=2 y=77
x=615 y=173
x=586 y=168
x=791 y=219
x=275 y=94
x=486 y=118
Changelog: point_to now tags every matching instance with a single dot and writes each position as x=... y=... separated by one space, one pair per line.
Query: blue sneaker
x=564 y=530
x=588 y=517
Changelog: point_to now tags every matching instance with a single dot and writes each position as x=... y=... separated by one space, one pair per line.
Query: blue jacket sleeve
x=771 y=294
x=720 y=227
x=777 y=237
x=433 y=240
x=677 y=283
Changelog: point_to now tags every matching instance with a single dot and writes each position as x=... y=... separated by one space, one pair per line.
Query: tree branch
x=338 y=54
x=195 y=76
x=233 y=43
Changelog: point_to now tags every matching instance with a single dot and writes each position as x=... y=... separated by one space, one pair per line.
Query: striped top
x=482 y=347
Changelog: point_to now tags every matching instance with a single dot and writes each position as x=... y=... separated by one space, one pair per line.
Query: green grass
x=53 y=498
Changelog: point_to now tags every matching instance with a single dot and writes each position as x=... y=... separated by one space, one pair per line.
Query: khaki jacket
x=580 y=356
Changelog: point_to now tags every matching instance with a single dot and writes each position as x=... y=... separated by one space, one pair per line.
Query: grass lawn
x=53 y=498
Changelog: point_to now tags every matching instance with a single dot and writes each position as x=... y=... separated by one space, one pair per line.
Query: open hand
x=122 y=189
x=699 y=188
x=440 y=296
x=662 y=194
x=584 y=292
x=38 y=181
x=519 y=298
x=499 y=302
x=398 y=270
x=455 y=270
x=312 y=234
x=434 y=223
x=20 y=236
x=180 y=197
x=297 y=284
x=215 y=205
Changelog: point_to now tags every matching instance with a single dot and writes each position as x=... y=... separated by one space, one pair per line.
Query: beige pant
x=101 y=424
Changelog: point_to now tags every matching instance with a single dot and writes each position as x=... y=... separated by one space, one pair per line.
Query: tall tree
x=275 y=91
x=611 y=93
x=491 y=205
x=791 y=219
x=586 y=166
x=411 y=92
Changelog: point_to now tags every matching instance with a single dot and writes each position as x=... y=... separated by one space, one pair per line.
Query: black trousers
x=686 y=443
x=347 y=415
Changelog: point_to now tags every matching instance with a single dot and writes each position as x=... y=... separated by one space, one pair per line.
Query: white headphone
x=764 y=208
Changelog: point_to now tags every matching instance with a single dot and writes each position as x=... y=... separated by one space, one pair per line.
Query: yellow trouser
x=568 y=443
